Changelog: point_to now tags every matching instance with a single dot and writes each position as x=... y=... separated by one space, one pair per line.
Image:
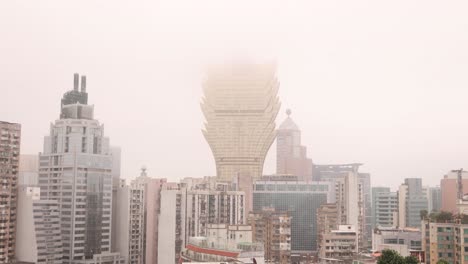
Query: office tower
x=75 y=169
x=340 y=244
x=434 y=199
x=240 y=107
x=291 y=156
x=449 y=190
x=38 y=235
x=338 y=173
x=273 y=230
x=130 y=223
x=152 y=206
x=301 y=199
x=28 y=170
x=384 y=207
x=411 y=201
x=172 y=221
x=10 y=139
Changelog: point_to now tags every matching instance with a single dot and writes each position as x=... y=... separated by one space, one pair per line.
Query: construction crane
x=459 y=184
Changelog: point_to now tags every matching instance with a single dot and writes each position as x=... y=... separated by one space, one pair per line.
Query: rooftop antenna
x=76 y=80
x=83 y=84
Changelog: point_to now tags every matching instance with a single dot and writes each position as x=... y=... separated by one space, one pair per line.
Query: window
x=465 y=231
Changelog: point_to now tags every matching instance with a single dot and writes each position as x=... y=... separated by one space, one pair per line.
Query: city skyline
x=389 y=94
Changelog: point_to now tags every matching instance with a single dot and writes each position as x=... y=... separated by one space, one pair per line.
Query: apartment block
x=10 y=140
x=130 y=222
x=39 y=238
x=273 y=229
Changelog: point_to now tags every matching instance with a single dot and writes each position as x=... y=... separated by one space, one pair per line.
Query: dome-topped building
x=291 y=156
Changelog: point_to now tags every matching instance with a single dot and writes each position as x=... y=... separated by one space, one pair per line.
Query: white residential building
x=130 y=223
x=38 y=237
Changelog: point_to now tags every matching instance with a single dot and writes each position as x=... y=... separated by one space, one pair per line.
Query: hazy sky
x=378 y=82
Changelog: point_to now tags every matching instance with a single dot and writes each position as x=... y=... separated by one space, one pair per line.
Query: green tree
x=390 y=257
x=442 y=261
x=411 y=260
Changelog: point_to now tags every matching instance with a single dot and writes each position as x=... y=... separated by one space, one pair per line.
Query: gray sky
x=378 y=82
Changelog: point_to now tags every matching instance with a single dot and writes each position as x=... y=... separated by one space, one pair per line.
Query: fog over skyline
x=381 y=83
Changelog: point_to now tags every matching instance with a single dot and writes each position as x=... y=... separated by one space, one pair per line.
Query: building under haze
x=75 y=169
x=412 y=199
x=152 y=206
x=384 y=207
x=353 y=196
x=301 y=200
x=240 y=105
x=39 y=239
x=10 y=139
x=291 y=156
x=449 y=190
x=28 y=170
x=129 y=221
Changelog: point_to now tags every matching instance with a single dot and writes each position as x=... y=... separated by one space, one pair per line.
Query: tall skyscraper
x=240 y=106
x=75 y=169
x=10 y=140
x=291 y=156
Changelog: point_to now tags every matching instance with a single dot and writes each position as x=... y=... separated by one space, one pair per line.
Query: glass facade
x=301 y=205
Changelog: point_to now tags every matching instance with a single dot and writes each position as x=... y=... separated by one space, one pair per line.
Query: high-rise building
x=434 y=199
x=28 y=170
x=75 y=169
x=449 y=190
x=240 y=105
x=273 y=229
x=10 y=139
x=130 y=223
x=291 y=156
x=384 y=207
x=172 y=221
x=152 y=189
x=38 y=235
x=347 y=192
x=412 y=199
x=301 y=200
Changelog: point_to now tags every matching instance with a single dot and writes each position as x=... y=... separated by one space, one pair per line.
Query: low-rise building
x=402 y=240
x=224 y=243
x=339 y=245
x=273 y=229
